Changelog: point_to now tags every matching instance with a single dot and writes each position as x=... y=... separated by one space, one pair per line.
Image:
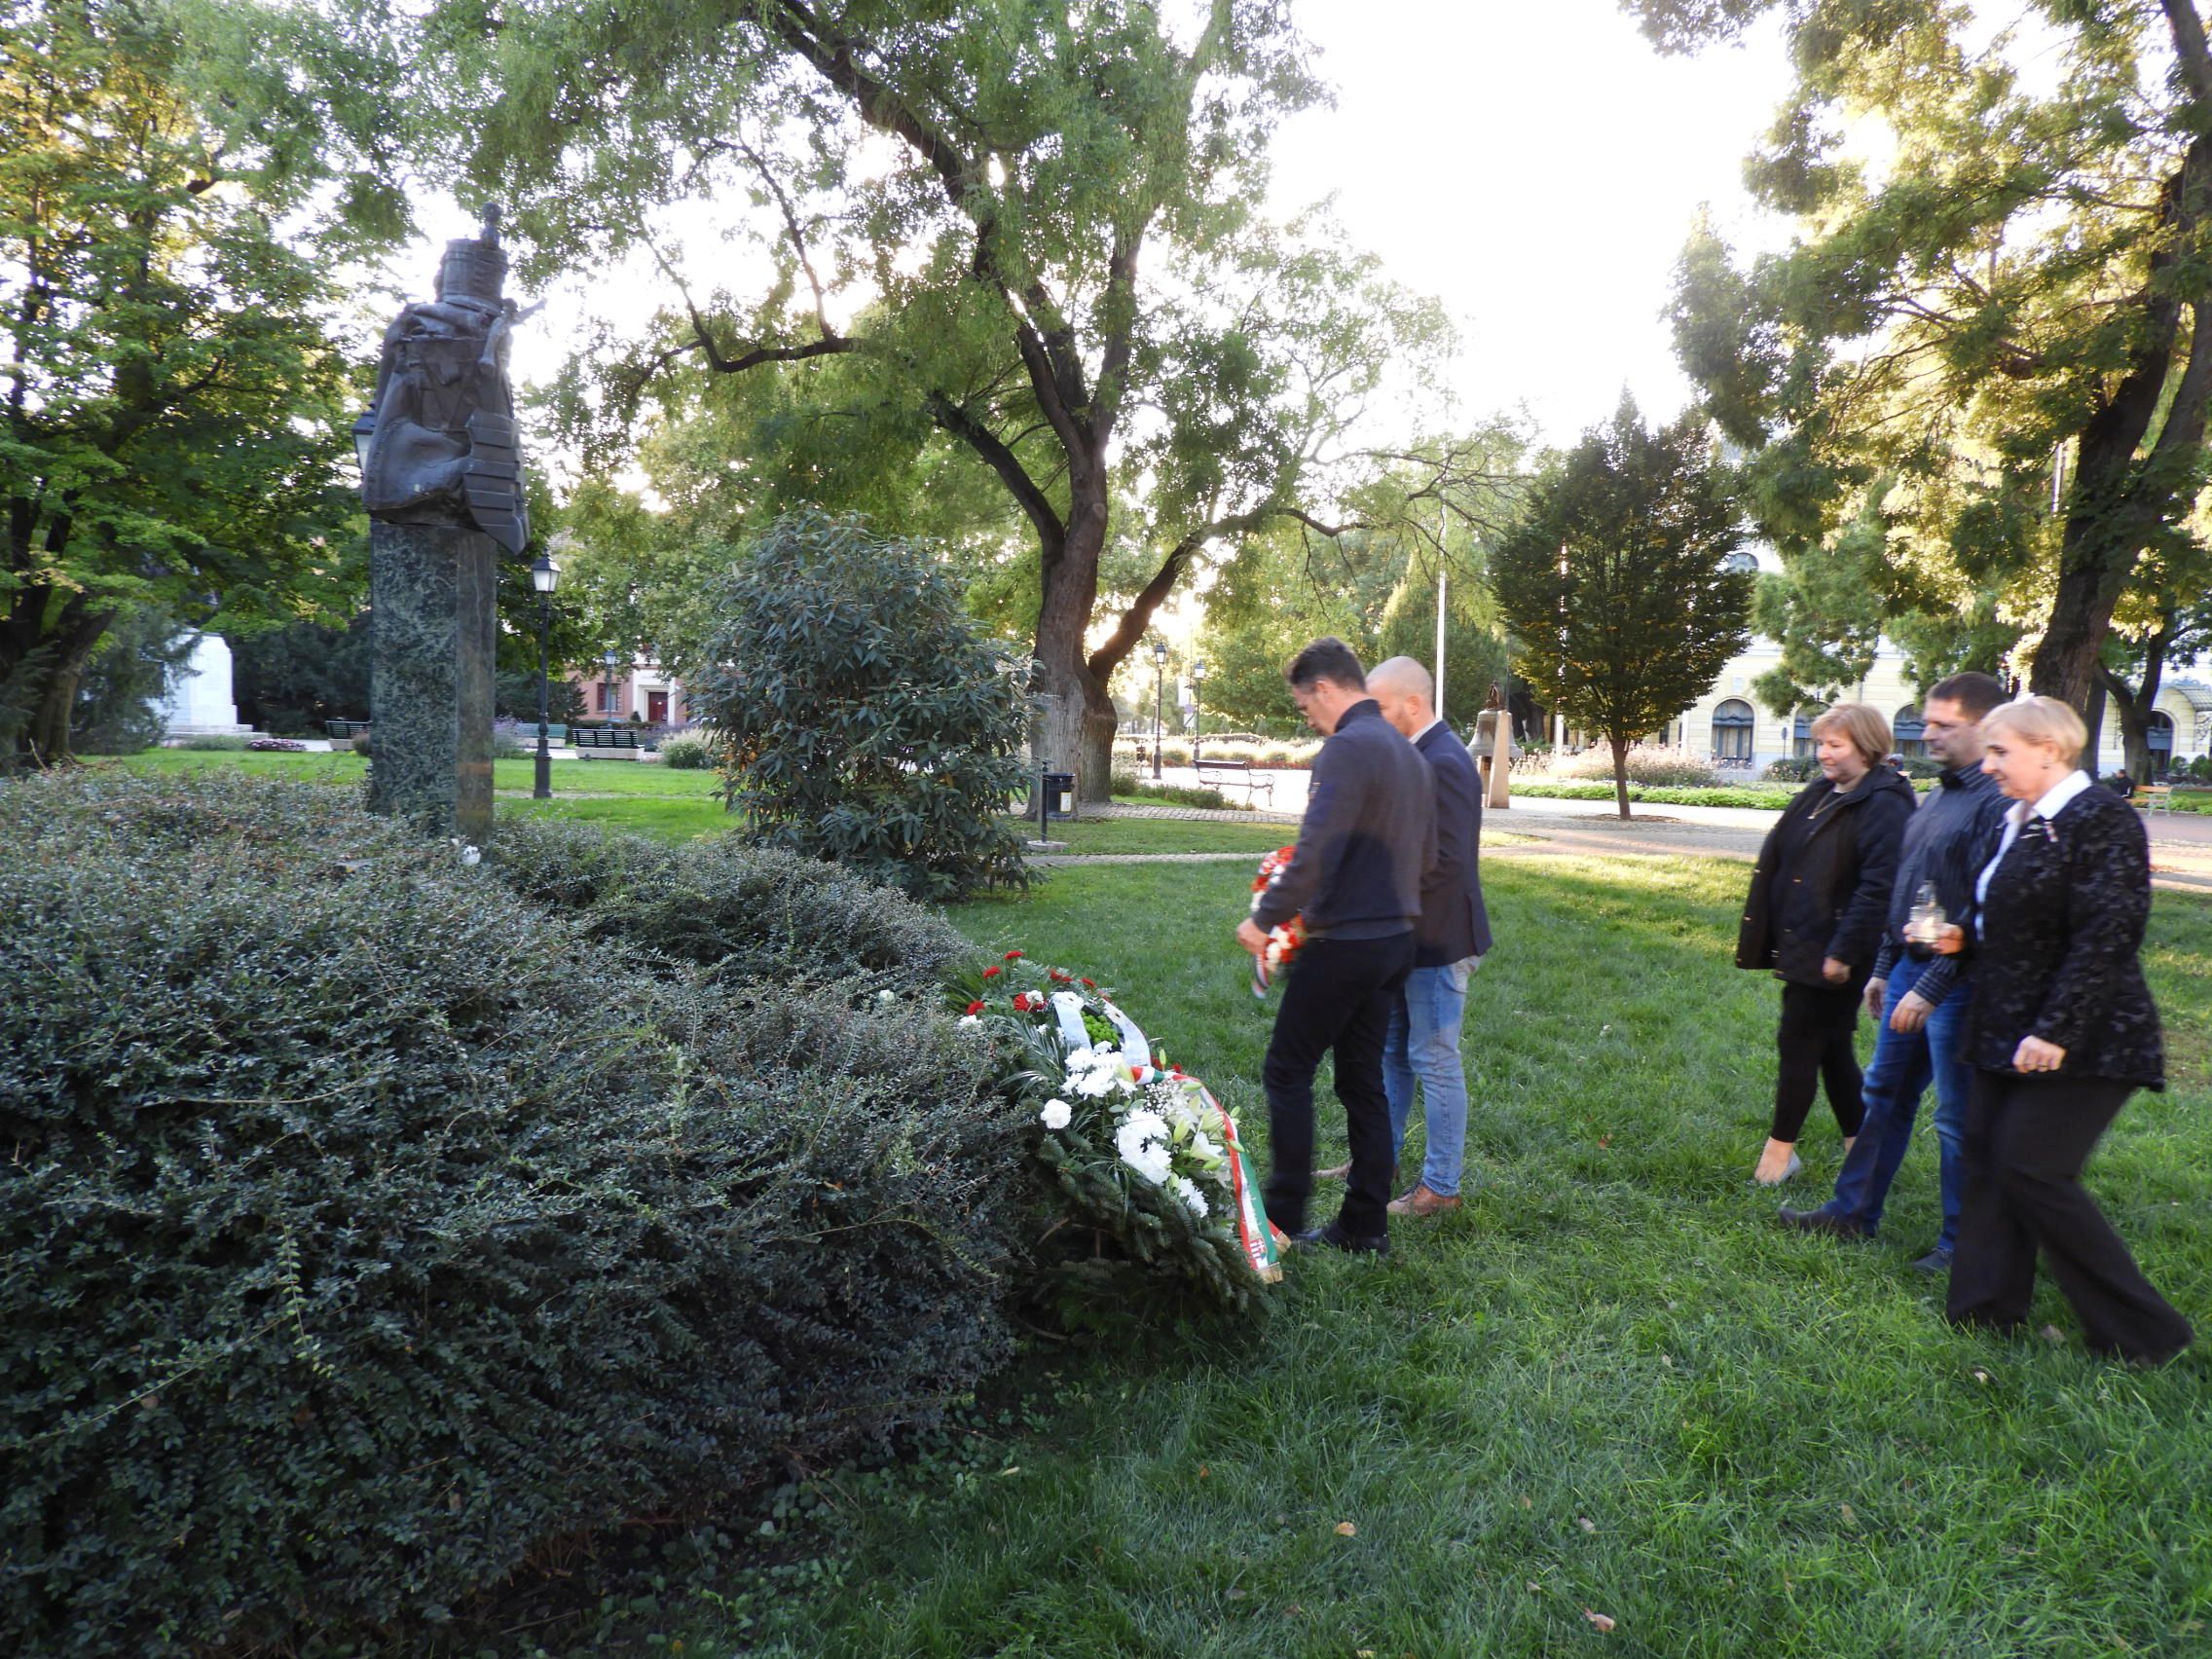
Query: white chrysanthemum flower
x=1056 y=1115
x=1194 y=1200
x=471 y=855
x=1142 y=1142
x=970 y=1019
x=886 y=996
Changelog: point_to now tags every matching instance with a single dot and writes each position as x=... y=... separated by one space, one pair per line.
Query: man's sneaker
x=1421 y=1201
x=1822 y=1220
x=1936 y=1261
x=1333 y=1237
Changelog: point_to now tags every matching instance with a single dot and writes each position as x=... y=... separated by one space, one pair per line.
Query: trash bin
x=1059 y=793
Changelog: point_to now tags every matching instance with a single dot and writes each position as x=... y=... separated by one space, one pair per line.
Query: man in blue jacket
x=1448 y=944
x=1921 y=998
x=1366 y=846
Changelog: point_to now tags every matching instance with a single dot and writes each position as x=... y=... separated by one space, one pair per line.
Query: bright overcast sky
x=1536 y=165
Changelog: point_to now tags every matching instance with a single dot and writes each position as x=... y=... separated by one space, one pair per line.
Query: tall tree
x=173 y=404
x=1028 y=229
x=1615 y=579
x=2011 y=274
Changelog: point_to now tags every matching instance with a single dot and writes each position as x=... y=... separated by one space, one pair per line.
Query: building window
x=1732 y=725
x=1909 y=734
x=1801 y=742
x=605 y=698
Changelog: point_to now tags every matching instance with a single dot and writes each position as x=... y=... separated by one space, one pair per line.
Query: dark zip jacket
x=1822 y=887
x=1945 y=842
x=1369 y=837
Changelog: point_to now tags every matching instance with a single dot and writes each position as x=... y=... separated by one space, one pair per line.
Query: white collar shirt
x=1426 y=729
x=2054 y=799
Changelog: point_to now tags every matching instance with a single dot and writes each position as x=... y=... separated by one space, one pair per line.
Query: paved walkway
x=2180 y=843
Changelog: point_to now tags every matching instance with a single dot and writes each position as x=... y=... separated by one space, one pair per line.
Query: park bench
x=345 y=731
x=1238 y=774
x=601 y=737
x=2156 y=797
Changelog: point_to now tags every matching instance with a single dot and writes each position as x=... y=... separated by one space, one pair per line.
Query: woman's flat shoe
x=1790 y=1168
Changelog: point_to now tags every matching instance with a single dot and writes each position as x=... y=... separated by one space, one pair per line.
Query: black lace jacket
x=2061 y=952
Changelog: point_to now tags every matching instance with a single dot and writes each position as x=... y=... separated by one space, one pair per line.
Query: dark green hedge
x=367 y=1226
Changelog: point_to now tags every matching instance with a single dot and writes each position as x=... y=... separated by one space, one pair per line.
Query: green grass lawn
x=1610 y=1383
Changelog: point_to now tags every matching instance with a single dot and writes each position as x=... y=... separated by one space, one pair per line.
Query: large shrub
x=368 y=1225
x=867 y=717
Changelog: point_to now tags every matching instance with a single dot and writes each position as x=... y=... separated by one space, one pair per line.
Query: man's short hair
x=1326 y=658
x=1975 y=693
x=1404 y=675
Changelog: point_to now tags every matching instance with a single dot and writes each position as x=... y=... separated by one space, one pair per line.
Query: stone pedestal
x=197 y=700
x=434 y=635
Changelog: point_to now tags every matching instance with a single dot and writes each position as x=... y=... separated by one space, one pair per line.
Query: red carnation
x=1012 y=955
x=993 y=972
x=974 y=1008
x=1090 y=984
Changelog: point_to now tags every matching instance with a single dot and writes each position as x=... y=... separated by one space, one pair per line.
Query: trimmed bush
x=737 y=910
x=688 y=751
x=359 y=1245
x=1654 y=769
x=867 y=717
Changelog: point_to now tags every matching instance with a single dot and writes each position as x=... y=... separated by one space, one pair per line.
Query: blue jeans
x=1903 y=1067
x=1423 y=1043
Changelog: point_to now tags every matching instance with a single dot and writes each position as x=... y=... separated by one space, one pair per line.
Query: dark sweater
x=1947 y=842
x=1369 y=837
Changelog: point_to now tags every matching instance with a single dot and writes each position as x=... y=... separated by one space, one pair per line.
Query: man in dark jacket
x=1922 y=999
x=1448 y=944
x=1363 y=851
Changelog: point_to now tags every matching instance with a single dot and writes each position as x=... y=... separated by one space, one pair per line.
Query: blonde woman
x=1814 y=918
x=2062 y=1032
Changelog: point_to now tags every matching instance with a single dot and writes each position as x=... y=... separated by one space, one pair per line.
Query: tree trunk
x=43 y=683
x=2093 y=720
x=1620 y=775
x=1079 y=723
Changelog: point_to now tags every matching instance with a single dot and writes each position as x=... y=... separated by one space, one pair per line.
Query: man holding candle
x=1921 y=998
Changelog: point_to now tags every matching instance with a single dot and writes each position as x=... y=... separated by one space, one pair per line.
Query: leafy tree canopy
x=1615 y=578
x=998 y=261
x=174 y=402
x=1999 y=274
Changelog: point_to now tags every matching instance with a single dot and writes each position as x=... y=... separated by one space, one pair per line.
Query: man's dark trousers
x=1338 y=997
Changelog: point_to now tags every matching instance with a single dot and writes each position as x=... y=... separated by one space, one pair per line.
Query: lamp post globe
x=544 y=576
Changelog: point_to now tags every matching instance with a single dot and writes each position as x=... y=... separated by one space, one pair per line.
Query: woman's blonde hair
x=2041 y=719
x=1863 y=724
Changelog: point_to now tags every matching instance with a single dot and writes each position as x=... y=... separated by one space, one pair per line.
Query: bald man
x=1448 y=944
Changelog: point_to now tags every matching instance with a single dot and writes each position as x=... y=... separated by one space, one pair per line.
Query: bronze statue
x=443 y=449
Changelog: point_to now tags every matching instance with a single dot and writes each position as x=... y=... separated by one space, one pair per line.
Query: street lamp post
x=544 y=576
x=1198 y=707
x=1159 y=702
x=606 y=698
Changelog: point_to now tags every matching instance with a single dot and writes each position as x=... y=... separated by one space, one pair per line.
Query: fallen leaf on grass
x=1598 y=1619
x=1850 y=1516
x=1527 y=1503
x=1981 y=1375
x=1586 y=1524
x=1344 y=1529
x=1204 y=1471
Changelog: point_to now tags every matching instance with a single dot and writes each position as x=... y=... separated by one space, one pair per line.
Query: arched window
x=1741 y=563
x=1732 y=723
x=1908 y=732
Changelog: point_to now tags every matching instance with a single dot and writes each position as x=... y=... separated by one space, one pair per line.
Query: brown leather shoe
x=1334 y=1172
x=1421 y=1201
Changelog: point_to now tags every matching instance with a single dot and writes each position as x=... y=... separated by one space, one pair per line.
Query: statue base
x=433 y=628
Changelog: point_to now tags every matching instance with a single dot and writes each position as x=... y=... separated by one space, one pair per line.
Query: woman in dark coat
x=1818 y=901
x=2061 y=1032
